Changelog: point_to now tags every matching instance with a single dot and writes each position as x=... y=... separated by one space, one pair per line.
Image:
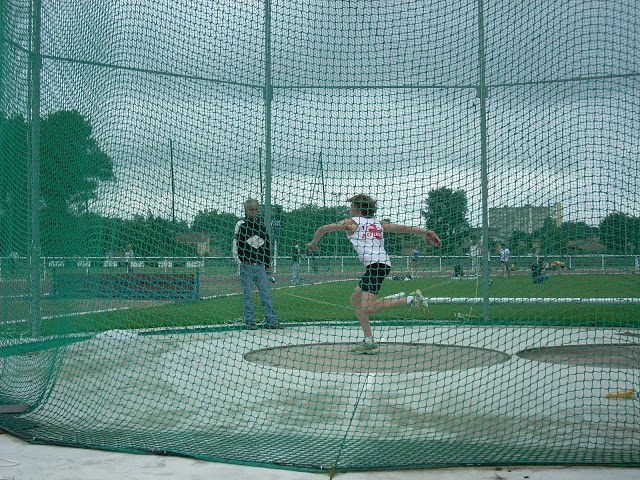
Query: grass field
x=329 y=301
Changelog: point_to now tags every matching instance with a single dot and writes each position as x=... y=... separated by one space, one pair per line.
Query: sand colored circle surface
x=393 y=357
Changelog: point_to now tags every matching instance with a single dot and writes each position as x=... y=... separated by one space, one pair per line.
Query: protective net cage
x=133 y=132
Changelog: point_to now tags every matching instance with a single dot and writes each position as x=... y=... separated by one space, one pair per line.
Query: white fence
x=18 y=266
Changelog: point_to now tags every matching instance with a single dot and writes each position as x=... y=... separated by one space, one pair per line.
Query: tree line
x=72 y=166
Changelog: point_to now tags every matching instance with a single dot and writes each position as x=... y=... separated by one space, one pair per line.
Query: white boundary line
x=604 y=300
x=601 y=300
x=433 y=300
x=315 y=300
x=66 y=315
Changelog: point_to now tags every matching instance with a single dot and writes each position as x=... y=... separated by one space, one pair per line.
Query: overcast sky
x=380 y=94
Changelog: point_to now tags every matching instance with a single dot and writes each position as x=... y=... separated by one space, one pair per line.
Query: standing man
x=505 y=256
x=474 y=253
x=537 y=271
x=315 y=261
x=129 y=256
x=295 y=265
x=366 y=234
x=252 y=252
x=414 y=261
x=13 y=262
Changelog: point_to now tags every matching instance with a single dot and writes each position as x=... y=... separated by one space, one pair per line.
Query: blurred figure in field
x=474 y=253
x=537 y=271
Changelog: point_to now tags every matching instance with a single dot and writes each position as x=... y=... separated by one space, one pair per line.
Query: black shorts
x=373 y=277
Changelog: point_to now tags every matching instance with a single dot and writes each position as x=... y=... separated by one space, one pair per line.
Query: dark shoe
x=273 y=326
x=251 y=326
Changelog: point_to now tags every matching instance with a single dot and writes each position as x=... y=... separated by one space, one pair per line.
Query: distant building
x=503 y=221
x=202 y=241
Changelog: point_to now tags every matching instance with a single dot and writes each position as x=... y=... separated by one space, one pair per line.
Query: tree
x=72 y=164
x=520 y=243
x=556 y=240
x=574 y=233
x=446 y=214
x=153 y=236
x=220 y=225
x=550 y=240
x=14 y=186
x=71 y=167
x=620 y=233
x=300 y=225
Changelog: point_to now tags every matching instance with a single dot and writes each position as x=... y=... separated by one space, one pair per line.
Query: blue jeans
x=295 y=272
x=256 y=274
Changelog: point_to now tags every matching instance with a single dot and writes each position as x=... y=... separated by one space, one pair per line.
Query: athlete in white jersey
x=368 y=241
x=367 y=237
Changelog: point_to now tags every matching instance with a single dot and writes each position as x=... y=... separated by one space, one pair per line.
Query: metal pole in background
x=173 y=198
x=268 y=97
x=324 y=190
x=482 y=93
x=261 y=175
x=35 y=69
x=173 y=186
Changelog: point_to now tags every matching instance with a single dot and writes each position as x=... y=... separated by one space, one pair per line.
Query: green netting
x=133 y=131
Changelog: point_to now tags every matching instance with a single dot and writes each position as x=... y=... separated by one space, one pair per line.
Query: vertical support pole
x=173 y=186
x=324 y=190
x=35 y=69
x=482 y=93
x=261 y=175
x=268 y=97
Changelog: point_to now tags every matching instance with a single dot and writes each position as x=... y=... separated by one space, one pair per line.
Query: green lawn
x=330 y=302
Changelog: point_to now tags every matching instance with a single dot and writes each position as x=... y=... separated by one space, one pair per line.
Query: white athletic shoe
x=420 y=302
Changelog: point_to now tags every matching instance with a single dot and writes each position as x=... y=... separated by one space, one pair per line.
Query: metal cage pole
x=35 y=61
x=268 y=97
x=173 y=187
x=482 y=94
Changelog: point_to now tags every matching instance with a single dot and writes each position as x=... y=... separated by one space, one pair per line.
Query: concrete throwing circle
x=392 y=358
x=604 y=356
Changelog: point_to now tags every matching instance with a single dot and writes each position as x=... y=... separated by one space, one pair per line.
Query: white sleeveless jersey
x=368 y=240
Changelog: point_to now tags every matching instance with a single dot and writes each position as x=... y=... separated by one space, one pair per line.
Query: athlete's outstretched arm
x=429 y=235
x=346 y=225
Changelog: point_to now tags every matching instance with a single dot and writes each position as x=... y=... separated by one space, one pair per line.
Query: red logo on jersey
x=373 y=231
